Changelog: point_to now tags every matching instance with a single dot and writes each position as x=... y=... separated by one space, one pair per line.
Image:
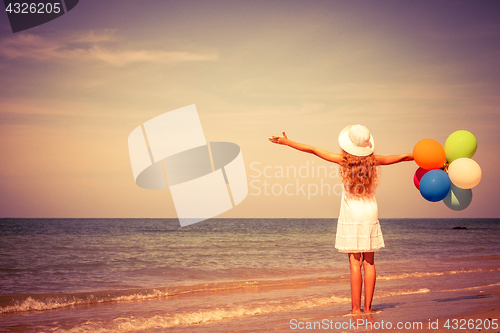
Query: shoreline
x=406 y=309
x=453 y=321
x=483 y=305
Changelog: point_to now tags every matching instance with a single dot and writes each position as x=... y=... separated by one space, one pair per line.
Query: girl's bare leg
x=356 y=281
x=370 y=278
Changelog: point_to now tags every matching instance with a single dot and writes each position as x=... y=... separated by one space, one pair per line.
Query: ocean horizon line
x=245 y=218
x=257 y=218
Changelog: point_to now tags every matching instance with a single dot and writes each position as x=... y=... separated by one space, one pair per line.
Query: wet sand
x=473 y=310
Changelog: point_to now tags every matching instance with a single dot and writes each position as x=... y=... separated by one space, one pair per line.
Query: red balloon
x=417 y=176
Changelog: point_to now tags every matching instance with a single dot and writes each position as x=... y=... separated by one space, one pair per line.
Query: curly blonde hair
x=359 y=174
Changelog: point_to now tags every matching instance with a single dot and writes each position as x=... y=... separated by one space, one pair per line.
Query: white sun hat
x=356 y=140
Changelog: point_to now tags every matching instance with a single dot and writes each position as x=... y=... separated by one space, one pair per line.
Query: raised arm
x=326 y=155
x=392 y=159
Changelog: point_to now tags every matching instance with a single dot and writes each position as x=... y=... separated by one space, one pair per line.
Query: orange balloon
x=429 y=154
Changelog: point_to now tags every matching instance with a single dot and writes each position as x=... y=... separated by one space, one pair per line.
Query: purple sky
x=73 y=89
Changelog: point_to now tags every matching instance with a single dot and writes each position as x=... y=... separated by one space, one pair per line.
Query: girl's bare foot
x=370 y=310
x=353 y=313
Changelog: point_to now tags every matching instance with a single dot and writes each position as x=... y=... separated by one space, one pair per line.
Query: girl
x=358 y=230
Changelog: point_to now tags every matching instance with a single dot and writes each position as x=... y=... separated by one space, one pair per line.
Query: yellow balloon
x=464 y=173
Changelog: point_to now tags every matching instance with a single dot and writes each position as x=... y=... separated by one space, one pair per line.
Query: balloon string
x=445 y=167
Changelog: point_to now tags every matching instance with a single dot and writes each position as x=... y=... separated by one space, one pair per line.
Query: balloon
x=460 y=144
x=458 y=198
x=465 y=173
x=429 y=154
x=417 y=176
x=435 y=185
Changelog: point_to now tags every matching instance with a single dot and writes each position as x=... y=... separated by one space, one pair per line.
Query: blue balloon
x=435 y=185
x=458 y=198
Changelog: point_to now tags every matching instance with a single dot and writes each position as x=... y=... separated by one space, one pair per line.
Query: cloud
x=102 y=46
x=94 y=36
x=121 y=58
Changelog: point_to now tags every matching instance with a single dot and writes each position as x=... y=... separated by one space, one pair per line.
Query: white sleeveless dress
x=358 y=228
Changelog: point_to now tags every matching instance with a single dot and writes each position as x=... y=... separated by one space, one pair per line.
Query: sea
x=230 y=275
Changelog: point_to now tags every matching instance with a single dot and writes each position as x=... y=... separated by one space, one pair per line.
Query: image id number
x=33 y=8
x=478 y=324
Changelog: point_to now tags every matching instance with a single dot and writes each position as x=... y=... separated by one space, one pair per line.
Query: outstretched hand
x=281 y=140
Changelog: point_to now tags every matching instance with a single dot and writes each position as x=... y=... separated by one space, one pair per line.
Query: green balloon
x=460 y=144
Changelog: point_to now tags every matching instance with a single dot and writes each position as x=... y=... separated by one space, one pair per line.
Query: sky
x=73 y=89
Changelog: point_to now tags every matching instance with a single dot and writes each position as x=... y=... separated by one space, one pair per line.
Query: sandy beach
x=475 y=310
